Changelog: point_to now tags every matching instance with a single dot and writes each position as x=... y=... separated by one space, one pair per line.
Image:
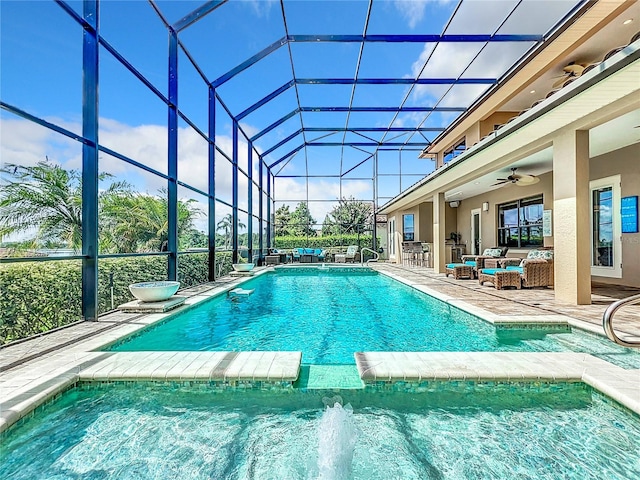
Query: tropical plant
x=138 y=222
x=44 y=199
x=226 y=226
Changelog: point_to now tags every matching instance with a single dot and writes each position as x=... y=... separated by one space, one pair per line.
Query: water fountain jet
x=337 y=435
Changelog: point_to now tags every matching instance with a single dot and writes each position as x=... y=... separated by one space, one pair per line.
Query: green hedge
x=37 y=297
x=327 y=241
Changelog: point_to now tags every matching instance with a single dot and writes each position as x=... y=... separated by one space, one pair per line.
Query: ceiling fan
x=518 y=179
x=572 y=70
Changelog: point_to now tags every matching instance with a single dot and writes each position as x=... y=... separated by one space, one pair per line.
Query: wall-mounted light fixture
x=485 y=206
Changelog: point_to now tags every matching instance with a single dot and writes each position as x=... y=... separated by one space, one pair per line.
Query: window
x=606 y=245
x=454 y=151
x=602 y=201
x=520 y=223
x=407 y=228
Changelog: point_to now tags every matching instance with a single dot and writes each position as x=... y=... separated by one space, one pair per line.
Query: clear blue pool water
x=137 y=432
x=329 y=314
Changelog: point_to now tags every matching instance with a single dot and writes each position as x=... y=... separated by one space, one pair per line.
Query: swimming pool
x=539 y=431
x=330 y=313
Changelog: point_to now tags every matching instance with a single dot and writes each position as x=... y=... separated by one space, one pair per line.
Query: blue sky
x=41 y=74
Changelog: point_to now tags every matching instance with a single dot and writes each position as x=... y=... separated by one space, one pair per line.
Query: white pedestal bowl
x=243 y=267
x=154 y=291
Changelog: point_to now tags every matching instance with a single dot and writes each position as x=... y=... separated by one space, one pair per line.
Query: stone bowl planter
x=243 y=267
x=154 y=291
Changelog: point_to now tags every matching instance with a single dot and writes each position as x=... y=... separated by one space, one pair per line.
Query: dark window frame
x=408 y=236
x=455 y=150
x=524 y=232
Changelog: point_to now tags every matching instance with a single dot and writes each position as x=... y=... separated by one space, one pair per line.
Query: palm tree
x=48 y=198
x=226 y=225
x=44 y=197
x=138 y=222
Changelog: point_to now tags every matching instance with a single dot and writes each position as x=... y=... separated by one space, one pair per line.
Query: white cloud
x=451 y=60
x=250 y=130
x=26 y=143
x=262 y=8
x=411 y=10
x=290 y=191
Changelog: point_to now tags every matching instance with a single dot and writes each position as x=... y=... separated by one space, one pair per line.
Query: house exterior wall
x=398 y=215
x=425 y=234
x=498 y=118
x=489 y=220
x=623 y=162
x=626 y=163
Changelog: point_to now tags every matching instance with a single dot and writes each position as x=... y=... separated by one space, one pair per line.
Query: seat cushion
x=542 y=254
x=517 y=269
x=471 y=263
x=453 y=265
x=492 y=271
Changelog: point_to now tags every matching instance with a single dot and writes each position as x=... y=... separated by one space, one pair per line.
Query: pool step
x=322 y=377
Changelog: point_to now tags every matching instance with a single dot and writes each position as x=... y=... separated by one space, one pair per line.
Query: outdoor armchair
x=352 y=251
x=535 y=272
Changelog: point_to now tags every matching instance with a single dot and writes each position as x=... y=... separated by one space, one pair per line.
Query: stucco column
x=439 y=233
x=571 y=218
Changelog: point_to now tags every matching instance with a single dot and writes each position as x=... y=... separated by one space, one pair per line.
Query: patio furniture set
x=536 y=270
x=311 y=255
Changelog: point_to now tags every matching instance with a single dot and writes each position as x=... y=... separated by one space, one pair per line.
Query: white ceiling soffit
x=592 y=50
x=615 y=134
x=608 y=137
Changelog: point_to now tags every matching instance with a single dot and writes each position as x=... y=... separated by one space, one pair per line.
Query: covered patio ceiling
x=607 y=137
x=336 y=83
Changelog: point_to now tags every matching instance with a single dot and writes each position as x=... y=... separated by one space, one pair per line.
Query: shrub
x=39 y=296
x=326 y=241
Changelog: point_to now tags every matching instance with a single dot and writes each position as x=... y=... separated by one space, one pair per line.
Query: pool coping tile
x=621 y=385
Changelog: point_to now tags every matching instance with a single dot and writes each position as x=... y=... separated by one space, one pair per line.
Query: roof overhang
x=599 y=96
x=596 y=15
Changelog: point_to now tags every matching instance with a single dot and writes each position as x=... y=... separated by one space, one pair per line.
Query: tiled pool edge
x=402 y=371
x=149 y=320
x=233 y=368
x=622 y=386
x=552 y=319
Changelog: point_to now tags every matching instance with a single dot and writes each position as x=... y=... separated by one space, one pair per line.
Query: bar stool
x=407 y=253
x=426 y=254
x=417 y=258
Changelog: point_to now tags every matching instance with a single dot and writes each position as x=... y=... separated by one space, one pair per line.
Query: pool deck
x=35 y=370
